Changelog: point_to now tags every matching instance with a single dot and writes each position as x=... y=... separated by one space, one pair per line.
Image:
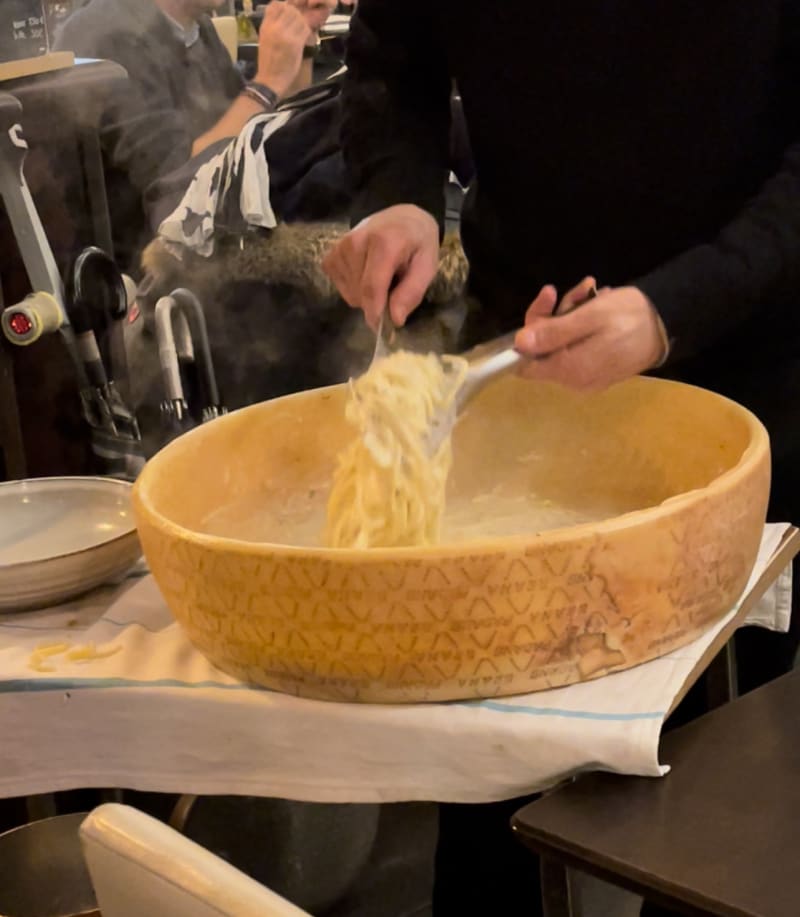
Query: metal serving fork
x=486 y=362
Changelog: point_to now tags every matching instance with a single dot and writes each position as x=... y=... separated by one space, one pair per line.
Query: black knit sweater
x=655 y=143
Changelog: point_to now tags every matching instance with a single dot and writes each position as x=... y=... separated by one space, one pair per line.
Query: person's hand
x=611 y=338
x=315 y=13
x=390 y=258
x=283 y=34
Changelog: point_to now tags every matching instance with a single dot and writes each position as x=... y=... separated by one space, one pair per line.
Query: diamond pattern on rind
x=476 y=623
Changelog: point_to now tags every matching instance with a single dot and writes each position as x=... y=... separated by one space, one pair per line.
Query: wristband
x=262 y=93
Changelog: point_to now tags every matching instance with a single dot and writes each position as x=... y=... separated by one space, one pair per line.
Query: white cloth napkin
x=158 y=716
x=240 y=168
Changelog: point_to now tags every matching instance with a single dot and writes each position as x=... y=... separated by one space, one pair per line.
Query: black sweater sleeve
x=396 y=119
x=753 y=263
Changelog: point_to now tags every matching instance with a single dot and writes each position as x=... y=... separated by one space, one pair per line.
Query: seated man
x=184 y=92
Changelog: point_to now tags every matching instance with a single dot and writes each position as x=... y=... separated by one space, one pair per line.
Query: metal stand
x=116 y=442
x=44 y=311
x=182 y=335
x=28 y=230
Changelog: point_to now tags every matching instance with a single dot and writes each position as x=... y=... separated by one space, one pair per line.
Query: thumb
x=543 y=305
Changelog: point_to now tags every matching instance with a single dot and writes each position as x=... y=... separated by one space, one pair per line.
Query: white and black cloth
x=230 y=191
x=284 y=166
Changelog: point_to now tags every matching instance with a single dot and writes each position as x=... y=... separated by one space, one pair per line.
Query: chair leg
x=556 y=893
x=181 y=812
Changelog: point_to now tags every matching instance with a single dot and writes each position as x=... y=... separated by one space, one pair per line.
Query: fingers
x=543 y=305
x=413 y=284
x=363 y=268
x=287 y=14
x=577 y=296
x=389 y=258
x=615 y=336
x=300 y=28
x=543 y=336
x=315 y=13
x=344 y=264
x=546 y=303
x=382 y=262
x=271 y=13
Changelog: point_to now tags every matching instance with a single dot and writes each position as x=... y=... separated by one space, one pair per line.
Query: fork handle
x=484 y=371
x=506 y=341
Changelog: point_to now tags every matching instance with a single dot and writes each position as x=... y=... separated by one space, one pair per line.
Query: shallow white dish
x=60 y=537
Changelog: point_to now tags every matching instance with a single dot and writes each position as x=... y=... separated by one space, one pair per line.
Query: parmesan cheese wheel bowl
x=584 y=535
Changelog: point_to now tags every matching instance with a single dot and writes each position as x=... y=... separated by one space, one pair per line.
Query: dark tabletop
x=720 y=834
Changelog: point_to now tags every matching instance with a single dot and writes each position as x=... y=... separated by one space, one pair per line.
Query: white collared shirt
x=188 y=35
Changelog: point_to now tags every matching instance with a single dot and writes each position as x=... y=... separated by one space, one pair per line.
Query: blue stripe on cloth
x=21 y=686
x=555 y=711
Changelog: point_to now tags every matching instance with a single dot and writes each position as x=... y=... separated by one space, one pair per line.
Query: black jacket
x=174 y=95
x=654 y=143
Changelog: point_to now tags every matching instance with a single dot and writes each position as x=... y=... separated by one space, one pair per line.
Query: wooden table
x=720 y=835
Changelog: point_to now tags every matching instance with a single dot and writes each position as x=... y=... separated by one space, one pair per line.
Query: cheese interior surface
x=299 y=518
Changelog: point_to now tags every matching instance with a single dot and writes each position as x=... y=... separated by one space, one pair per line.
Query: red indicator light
x=20 y=324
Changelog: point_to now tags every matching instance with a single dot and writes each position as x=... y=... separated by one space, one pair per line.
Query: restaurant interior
x=227 y=685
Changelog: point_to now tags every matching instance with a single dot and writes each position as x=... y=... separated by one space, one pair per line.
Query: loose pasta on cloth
x=157 y=716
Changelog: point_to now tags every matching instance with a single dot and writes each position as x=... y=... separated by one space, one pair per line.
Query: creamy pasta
x=388 y=490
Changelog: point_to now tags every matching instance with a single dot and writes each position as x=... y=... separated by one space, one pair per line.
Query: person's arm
x=304 y=78
x=755 y=260
x=684 y=306
x=283 y=34
x=681 y=308
x=395 y=139
x=144 y=134
x=243 y=108
x=693 y=300
x=396 y=108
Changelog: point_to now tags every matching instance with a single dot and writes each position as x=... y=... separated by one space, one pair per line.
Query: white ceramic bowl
x=60 y=537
